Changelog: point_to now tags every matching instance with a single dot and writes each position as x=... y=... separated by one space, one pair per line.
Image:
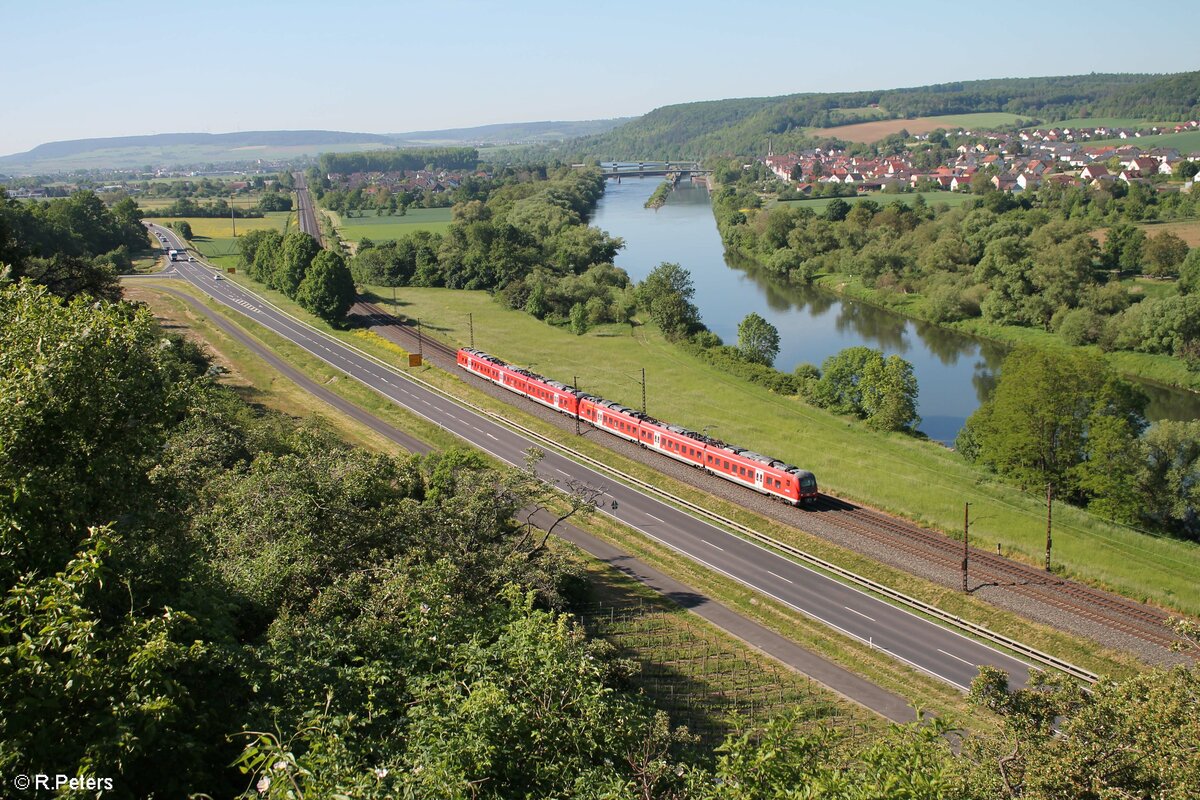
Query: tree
x=667 y=293
x=1123 y=248
x=837 y=210
x=1035 y=427
x=1163 y=254
x=184 y=227
x=1126 y=738
x=1187 y=169
x=297 y=252
x=1189 y=274
x=889 y=394
x=758 y=340
x=1170 y=481
x=578 y=317
x=327 y=289
x=840 y=388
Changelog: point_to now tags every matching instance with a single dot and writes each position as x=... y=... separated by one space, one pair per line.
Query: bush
x=1081 y=326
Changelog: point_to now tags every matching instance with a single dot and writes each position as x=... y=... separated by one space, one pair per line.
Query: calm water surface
x=955 y=373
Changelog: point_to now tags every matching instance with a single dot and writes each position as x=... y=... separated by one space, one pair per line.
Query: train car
x=747 y=468
x=550 y=393
x=613 y=417
x=673 y=441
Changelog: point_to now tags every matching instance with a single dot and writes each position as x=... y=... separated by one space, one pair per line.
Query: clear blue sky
x=73 y=70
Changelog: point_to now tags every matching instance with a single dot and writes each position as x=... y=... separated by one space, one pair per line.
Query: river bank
x=1173 y=388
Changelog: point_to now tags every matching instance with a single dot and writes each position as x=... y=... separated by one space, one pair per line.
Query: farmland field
x=379 y=229
x=874 y=131
x=155 y=203
x=819 y=204
x=1188 y=230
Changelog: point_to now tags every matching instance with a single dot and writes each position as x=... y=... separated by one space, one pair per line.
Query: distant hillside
x=180 y=149
x=197 y=149
x=510 y=133
x=743 y=126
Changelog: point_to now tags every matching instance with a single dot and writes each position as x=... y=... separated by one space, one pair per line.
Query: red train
x=761 y=473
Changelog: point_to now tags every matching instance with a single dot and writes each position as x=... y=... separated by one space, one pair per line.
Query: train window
x=726 y=465
x=710 y=458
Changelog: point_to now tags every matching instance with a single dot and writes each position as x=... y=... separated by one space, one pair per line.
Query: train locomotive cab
x=808 y=485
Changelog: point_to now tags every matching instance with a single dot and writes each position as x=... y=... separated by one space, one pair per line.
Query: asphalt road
x=914 y=640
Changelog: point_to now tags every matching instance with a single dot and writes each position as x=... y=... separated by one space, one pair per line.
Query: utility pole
x=420 y=341
x=966 y=544
x=1049 y=510
x=575 y=385
x=643 y=390
x=393 y=301
x=232 y=217
x=471 y=326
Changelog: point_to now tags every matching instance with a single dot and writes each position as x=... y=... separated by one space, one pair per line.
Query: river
x=955 y=373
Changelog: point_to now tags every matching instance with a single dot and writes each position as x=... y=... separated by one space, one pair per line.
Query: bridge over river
x=647 y=169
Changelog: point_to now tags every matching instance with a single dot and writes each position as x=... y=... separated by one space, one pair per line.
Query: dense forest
x=199 y=596
x=742 y=126
x=400 y=160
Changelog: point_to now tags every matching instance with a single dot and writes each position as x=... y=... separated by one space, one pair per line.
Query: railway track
x=986 y=569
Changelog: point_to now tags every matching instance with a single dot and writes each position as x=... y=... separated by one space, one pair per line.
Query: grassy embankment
x=213 y=236
x=690 y=668
x=918 y=479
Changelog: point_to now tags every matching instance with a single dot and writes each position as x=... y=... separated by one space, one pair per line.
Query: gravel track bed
x=818 y=523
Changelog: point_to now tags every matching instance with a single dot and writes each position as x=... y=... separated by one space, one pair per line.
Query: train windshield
x=808 y=483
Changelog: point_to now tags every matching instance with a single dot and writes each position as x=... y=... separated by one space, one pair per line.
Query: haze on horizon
x=76 y=69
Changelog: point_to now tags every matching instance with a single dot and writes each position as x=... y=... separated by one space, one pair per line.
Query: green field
x=1184 y=142
x=1093 y=122
x=379 y=229
x=919 y=479
x=213 y=236
x=819 y=204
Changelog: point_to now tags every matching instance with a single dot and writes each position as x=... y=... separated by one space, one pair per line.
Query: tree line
x=1062 y=422
x=187 y=207
x=72 y=245
x=526 y=239
x=400 y=160
x=296 y=265
x=1028 y=261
